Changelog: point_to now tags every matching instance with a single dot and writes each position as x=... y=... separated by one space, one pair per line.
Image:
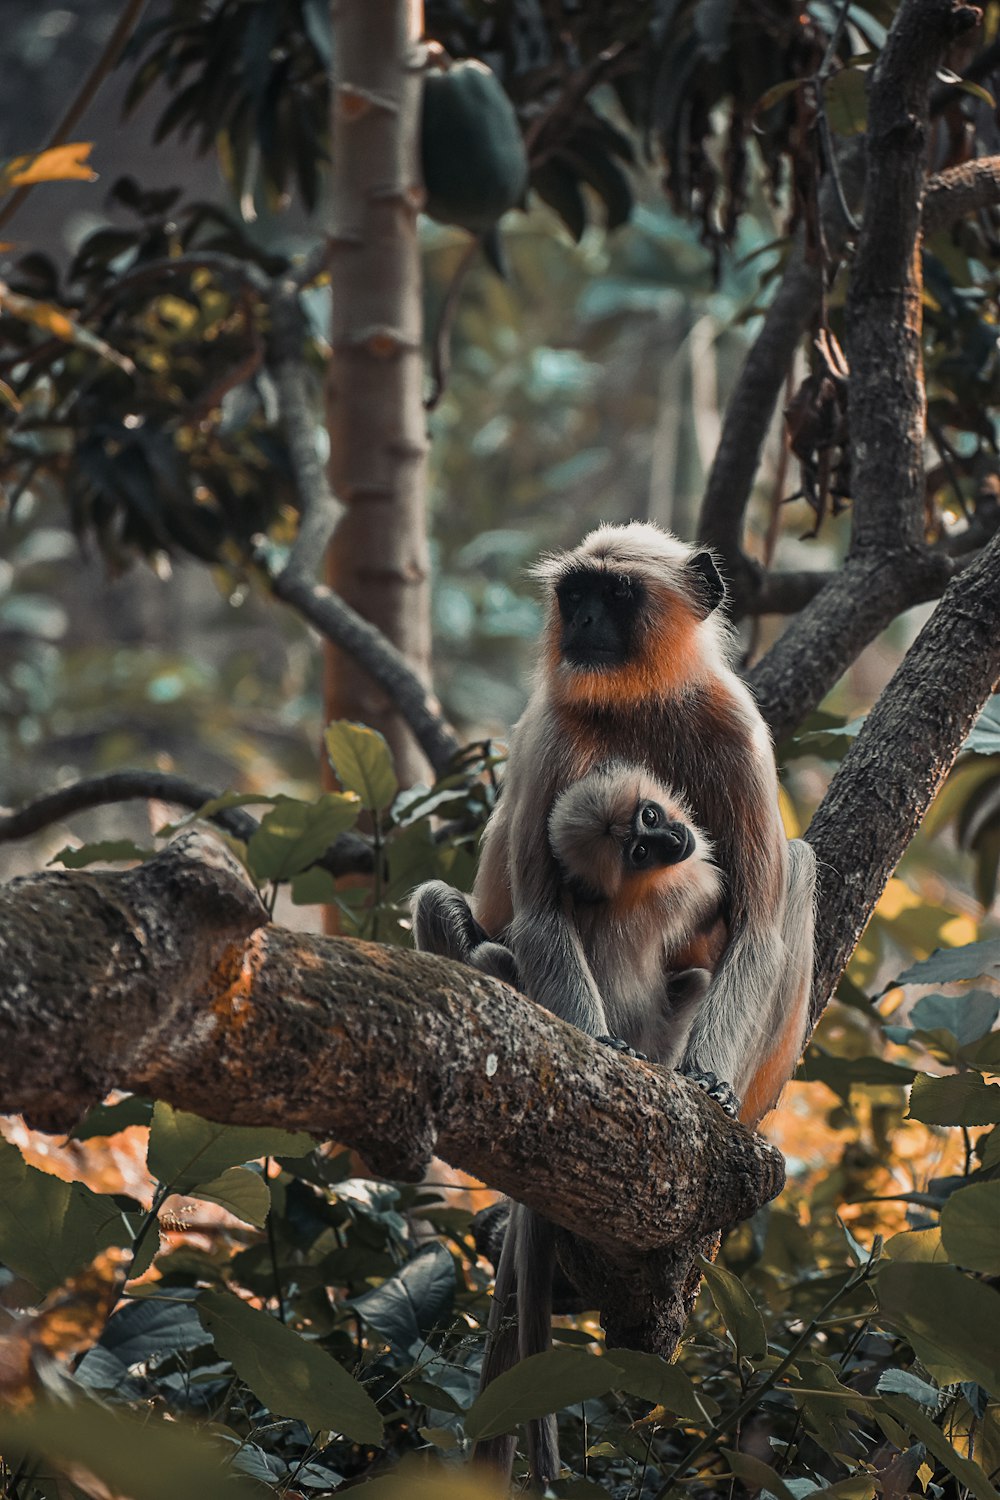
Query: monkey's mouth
x=586 y=658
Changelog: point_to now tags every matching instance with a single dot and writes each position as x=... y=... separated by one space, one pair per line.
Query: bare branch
x=909 y=743
x=751 y=405
x=961 y=191
x=349 y=855
x=296 y=583
x=166 y=981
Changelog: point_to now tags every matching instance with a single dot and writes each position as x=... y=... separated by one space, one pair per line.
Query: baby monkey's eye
x=639 y=853
x=650 y=816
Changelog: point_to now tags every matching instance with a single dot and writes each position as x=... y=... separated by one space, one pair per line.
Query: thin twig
x=127 y=23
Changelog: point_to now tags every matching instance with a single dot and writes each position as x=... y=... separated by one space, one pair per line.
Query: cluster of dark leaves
x=141 y=392
x=255 y=79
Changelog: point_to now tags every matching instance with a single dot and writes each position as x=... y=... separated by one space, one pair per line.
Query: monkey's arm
x=749 y=1030
x=443 y=923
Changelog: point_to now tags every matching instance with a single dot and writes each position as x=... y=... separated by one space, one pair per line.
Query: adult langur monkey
x=636 y=667
x=641 y=888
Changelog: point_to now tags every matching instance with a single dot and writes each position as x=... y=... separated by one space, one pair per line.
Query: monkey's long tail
x=527 y=1264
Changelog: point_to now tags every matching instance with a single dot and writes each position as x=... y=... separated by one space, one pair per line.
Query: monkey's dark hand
x=718 y=1090
x=621 y=1046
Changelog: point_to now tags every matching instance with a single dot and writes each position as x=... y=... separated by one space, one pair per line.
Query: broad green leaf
x=756 y=1474
x=653 y=1379
x=50 y=1228
x=145 y=1328
x=968 y=1017
x=536 y=1386
x=363 y=763
x=434 y=1397
x=142 y=1457
x=846 y=101
x=294 y=834
x=108 y=851
x=920 y=1426
x=970 y=1227
x=242 y=1192
x=984 y=737
x=917 y=1245
x=775 y=95
x=293 y=1377
x=109 y=1119
x=185 y=1150
x=406 y=1307
x=841 y=1074
x=955 y=1099
x=946 y=965
x=738 y=1309
x=905 y=1383
x=417 y=1479
x=314 y=887
x=952 y=1321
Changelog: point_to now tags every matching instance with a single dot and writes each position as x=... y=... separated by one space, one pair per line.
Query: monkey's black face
x=656 y=840
x=599 y=613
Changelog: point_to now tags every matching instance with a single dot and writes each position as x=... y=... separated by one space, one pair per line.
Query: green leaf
x=738 y=1310
x=952 y=1321
x=920 y=1426
x=108 y=851
x=775 y=95
x=294 y=834
x=315 y=887
x=419 y=1298
x=293 y=1377
x=841 y=1074
x=970 y=1227
x=905 y=1383
x=756 y=1474
x=185 y=1150
x=363 y=763
x=109 y=1119
x=946 y=965
x=984 y=737
x=955 y=1099
x=536 y=1386
x=142 y=1457
x=968 y=1017
x=242 y=1192
x=653 y=1379
x=50 y=1228
x=846 y=101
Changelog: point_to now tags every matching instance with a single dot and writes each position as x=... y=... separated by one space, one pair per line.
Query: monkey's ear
x=709 y=589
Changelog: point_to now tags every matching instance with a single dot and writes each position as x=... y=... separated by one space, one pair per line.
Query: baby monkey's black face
x=599 y=613
x=656 y=840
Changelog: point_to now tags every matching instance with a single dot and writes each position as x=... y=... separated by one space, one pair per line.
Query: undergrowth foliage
x=272 y=1319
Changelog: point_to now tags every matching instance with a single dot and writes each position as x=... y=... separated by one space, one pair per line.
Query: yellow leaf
x=57 y=164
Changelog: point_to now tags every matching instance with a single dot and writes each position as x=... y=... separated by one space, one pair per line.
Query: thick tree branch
x=886 y=399
x=960 y=191
x=168 y=982
x=350 y=854
x=893 y=770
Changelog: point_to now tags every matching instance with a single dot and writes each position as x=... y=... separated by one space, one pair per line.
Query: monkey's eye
x=650 y=816
x=573 y=595
x=639 y=853
x=622 y=588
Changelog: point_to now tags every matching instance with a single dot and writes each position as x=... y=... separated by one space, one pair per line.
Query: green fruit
x=474 y=162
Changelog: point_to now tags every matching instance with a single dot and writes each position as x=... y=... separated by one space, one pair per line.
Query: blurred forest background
x=589 y=383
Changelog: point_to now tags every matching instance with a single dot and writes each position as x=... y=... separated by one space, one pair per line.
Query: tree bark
x=378 y=560
x=168 y=981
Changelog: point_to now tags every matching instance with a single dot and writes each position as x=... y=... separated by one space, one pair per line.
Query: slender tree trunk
x=378 y=557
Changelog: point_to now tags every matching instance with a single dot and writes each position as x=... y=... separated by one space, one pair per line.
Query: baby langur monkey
x=639 y=885
x=641 y=890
